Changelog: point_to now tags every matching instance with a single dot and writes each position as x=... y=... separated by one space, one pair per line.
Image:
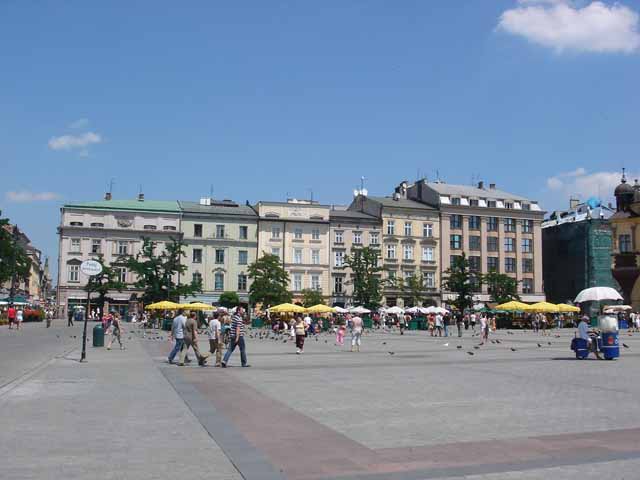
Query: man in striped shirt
x=236 y=338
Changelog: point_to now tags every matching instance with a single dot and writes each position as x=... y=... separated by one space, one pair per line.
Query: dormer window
x=150 y=227
x=97 y=225
x=455 y=201
x=76 y=224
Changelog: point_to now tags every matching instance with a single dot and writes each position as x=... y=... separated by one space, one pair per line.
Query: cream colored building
x=495 y=229
x=298 y=232
x=221 y=240
x=410 y=238
x=349 y=229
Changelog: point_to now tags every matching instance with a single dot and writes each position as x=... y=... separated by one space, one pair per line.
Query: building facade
x=221 y=241
x=297 y=231
x=109 y=230
x=409 y=244
x=496 y=230
x=577 y=248
x=349 y=229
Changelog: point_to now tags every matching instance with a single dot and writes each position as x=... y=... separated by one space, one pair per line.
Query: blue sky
x=262 y=99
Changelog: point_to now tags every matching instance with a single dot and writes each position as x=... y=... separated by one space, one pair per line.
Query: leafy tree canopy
x=366 y=275
x=15 y=264
x=462 y=281
x=502 y=287
x=229 y=299
x=311 y=297
x=270 y=282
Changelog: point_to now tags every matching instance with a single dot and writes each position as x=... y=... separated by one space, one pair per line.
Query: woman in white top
x=19 y=317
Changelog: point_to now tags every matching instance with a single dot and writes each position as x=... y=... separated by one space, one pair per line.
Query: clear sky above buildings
x=267 y=99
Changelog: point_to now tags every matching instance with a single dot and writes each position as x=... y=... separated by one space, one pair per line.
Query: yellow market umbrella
x=544 y=307
x=320 y=308
x=563 y=307
x=197 y=306
x=164 y=305
x=287 y=308
x=514 y=306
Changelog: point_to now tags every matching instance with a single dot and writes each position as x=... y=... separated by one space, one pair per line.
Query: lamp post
x=90 y=268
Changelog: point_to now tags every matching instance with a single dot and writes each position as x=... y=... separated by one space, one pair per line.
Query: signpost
x=90 y=268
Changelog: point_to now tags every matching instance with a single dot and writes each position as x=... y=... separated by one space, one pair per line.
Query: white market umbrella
x=597 y=294
x=413 y=310
x=617 y=308
x=479 y=306
x=436 y=310
x=395 y=311
x=360 y=310
x=341 y=310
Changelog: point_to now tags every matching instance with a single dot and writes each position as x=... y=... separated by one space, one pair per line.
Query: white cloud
x=564 y=26
x=585 y=185
x=24 y=196
x=554 y=183
x=80 y=123
x=70 y=142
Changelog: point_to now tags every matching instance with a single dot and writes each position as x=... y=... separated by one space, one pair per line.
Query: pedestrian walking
x=177 y=334
x=49 y=317
x=19 y=318
x=301 y=328
x=459 y=323
x=70 y=314
x=472 y=320
x=11 y=315
x=236 y=339
x=116 y=331
x=340 y=332
x=78 y=316
x=438 y=320
x=190 y=333
x=484 y=329
x=215 y=338
x=446 y=318
x=356 y=333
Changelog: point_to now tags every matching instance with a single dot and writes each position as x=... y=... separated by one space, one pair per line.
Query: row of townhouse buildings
x=419 y=230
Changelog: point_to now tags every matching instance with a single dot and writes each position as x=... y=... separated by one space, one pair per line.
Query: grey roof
x=350 y=215
x=469 y=191
x=218 y=209
x=401 y=203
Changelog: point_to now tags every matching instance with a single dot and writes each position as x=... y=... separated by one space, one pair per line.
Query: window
x=74 y=273
x=474 y=243
x=427 y=254
x=219 y=231
x=218 y=281
x=407 y=229
x=121 y=273
x=374 y=238
x=357 y=238
x=244 y=232
x=427 y=230
x=150 y=227
x=169 y=228
x=297 y=255
x=196 y=277
x=508 y=205
x=624 y=243
x=242 y=282
x=275 y=232
x=474 y=281
x=510 y=265
x=492 y=264
x=297 y=282
x=455 y=242
x=429 y=279
x=315 y=234
x=526 y=206
x=492 y=224
x=509 y=244
x=474 y=202
x=456 y=221
x=526 y=245
x=339 y=236
x=474 y=263
x=75 y=245
x=297 y=234
x=391 y=275
x=491 y=203
x=455 y=201
x=243 y=257
x=492 y=244
x=509 y=225
x=453 y=259
x=76 y=224
x=315 y=257
x=407 y=252
x=391 y=251
x=474 y=222
x=97 y=225
x=275 y=251
x=337 y=285
x=408 y=274
x=197 y=255
x=527 y=226
x=197 y=230
x=339 y=259
x=123 y=247
x=219 y=255
x=527 y=265
x=527 y=285
x=96 y=246
x=315 y=282
x=391 y=227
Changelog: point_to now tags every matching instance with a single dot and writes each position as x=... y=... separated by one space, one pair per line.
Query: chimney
x=481 y=185
x=492 y=186
x=141 y=197
x=107 y=196
x=573 y=203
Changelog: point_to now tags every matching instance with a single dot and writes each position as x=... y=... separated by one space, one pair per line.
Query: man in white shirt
x=177 y=333
x=215 y=339
x=583 y=333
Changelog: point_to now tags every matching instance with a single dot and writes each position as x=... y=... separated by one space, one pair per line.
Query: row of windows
x=356 y=238
x=166 y=228
x=298 y=232
x=243 y=256
x=221 y=231
x=297 y=283
x=455 y=243
x=218 y=281
x=428 y=253
x=120 y=247
x=475 y=221
x=429 y=279
x=493 y=263
x=427 y=229
x=73 y=273
x=474 y=202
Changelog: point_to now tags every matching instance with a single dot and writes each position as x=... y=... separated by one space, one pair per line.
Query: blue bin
x=581 y=347
x=610 y=345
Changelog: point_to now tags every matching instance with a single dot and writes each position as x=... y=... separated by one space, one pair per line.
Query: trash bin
x=166 y=324
x=367 y=322
x=98 y=336
x=257 y=322
x=413 y=324
x=609 y=334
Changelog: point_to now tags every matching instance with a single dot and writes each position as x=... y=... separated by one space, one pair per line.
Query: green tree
x=15 y=264
x=229 y=299
x=270 y=282
x=462 y=281
x=366 y=275
x=107 y=280
x=311 y=297
x=413 y=288
x=155 y=272
x=502 y=288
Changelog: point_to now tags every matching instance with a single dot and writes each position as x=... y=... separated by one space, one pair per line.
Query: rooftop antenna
x=361 y=183
x=211 y=191
x=139 y=188
x=437 y=175
x=112 y=182
x=311 y=194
